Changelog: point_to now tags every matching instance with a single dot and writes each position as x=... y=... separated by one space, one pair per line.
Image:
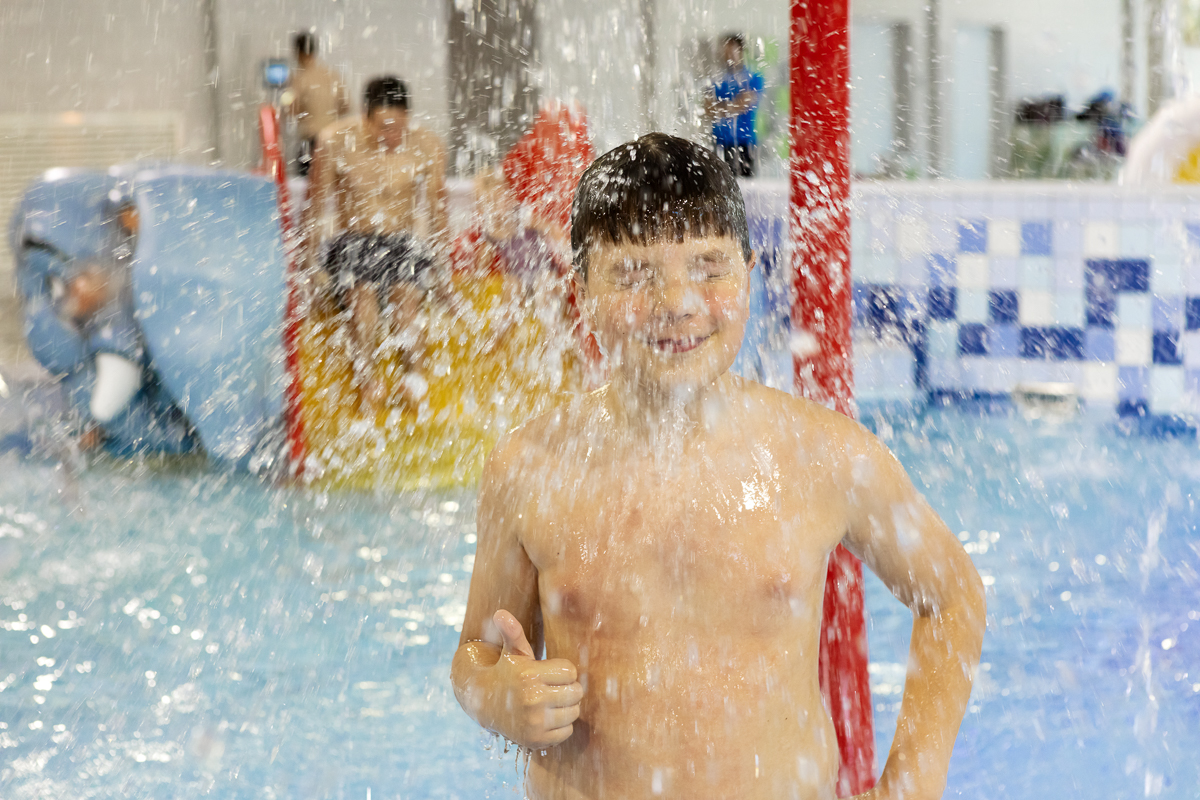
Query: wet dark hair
x=734 y=38
x=656 y=187
x=305 y=44
x=384 y=92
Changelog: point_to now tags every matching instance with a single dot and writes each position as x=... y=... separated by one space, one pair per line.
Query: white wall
x=361 y=38
x=149 y=55
x=117 y=55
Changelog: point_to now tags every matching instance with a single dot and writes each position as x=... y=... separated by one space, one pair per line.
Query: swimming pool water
x=168 y=630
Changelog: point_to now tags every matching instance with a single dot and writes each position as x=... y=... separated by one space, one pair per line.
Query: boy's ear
x=752 y=262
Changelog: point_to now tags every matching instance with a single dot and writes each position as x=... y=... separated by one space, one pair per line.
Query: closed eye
x=631 y=273
x=709 y=267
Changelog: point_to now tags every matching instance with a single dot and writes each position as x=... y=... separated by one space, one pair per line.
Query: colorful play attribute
x=821 y=315
x=166 y=299
x=485 y=369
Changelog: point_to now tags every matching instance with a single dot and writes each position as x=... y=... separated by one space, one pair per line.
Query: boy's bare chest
x=744 y=548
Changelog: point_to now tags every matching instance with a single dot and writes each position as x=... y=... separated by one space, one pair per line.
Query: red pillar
x=821 y=312
x=276 y=169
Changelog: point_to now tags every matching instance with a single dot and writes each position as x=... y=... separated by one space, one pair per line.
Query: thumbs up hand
x=539 y=699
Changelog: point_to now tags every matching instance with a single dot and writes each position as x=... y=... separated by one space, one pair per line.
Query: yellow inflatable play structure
x=488 y=366
x=494 y=356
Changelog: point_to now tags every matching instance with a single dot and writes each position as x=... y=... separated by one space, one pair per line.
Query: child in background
x=645 y=608
x=509 y=240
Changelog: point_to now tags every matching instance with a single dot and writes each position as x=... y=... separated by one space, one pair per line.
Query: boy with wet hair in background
x=386 y=179
x=645 y=608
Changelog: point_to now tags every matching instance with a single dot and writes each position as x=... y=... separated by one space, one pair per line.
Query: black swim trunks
x=377 y=259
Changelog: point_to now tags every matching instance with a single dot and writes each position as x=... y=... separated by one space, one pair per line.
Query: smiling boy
x=664 y=539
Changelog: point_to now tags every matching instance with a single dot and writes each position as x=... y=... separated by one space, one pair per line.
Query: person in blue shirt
x=731 y=103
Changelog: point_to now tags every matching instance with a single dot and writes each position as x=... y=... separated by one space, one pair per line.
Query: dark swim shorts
x=377 y=259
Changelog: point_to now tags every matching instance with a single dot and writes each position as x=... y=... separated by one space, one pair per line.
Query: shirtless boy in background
x=386 y=177
x=665 y=538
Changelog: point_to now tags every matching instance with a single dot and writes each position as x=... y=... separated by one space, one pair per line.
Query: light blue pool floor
x=168 y=631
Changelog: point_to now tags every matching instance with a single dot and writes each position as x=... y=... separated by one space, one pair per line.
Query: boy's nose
x=679 y=297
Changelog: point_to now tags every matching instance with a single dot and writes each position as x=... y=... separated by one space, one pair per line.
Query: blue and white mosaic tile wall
x=965 y=290
x=994 y=286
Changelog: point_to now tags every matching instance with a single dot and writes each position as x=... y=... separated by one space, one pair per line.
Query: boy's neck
x=655 y=419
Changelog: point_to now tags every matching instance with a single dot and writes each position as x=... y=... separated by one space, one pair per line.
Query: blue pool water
x=167 y=630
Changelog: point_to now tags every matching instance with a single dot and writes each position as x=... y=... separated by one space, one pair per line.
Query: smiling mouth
x=677 y=344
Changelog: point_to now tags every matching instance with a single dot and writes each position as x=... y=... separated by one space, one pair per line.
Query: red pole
x=821 y=313
x=273 y=164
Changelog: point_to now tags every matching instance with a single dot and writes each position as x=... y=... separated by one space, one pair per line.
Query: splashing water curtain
x=273 y=164
x=820 y=230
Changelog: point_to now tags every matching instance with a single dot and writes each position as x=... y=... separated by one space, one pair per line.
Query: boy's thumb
x=512 y=634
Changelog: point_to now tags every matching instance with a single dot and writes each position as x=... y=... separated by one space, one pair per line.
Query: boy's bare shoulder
x=542 y=442
x=797 y=414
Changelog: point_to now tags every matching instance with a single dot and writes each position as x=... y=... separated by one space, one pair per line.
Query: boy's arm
x=896 y=533
x=496 y=676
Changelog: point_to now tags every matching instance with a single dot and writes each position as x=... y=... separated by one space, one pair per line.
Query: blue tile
x=1120 y=274
x=943 y=302
x=1131 y=274
x=972 y=236
x=1051 y=342
x=892 y=307
x=1099 y=344
x=1004 y=341
x=1100 y=306
x=973 y=340
x=860 y=300
x=1166 y=348
x=1003 y=306
x=1192 y=314
x=1133 y=383
x=943 y=270
x=1036 y=238
x=885 y=305
x=1133 y=408
x=1167 y=313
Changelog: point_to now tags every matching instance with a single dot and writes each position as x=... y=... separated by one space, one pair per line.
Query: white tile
x=1069 y=309
x=973 y=271
x=1036 y=272
x=875 y=268
x=989 y=374
x=1004 y=238
x=944 y=373
x=1191 y=277
x=972 y=305
x=1099 y=382
x=1190 y=342
x=1166 y=390
x=1101 y=240
x=1166 y=277
x=942 y=339
x=912 y=236
x=1134 y=347
x=1134 y=310
x=1037 y=308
